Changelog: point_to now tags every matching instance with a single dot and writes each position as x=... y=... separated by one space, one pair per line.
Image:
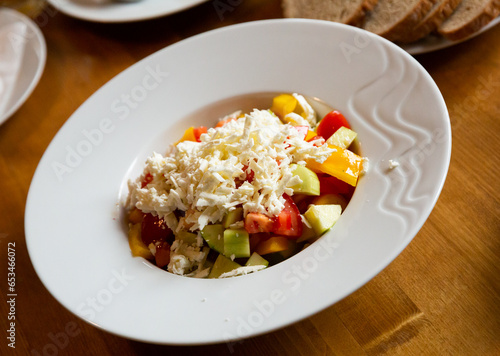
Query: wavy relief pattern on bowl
x=383 y=103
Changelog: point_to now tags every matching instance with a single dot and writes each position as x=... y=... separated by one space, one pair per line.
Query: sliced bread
x=434 y=18
x=393 y=19
x=469 y=17
x=351 y=12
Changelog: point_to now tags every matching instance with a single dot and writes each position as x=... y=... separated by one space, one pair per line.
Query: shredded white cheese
x=241 y=271
x=245 y=162
x=188 y=260
x=309 y=113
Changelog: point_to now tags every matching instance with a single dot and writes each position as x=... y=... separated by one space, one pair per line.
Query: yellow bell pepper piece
x=310 y=134
x=138 y=247
x=135 y=216
x=273 y=244
x=188 y=135
x=283 y=105
x=342 y=164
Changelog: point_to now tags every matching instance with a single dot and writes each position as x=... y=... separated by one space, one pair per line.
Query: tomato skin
x=257 y=222
x=162 y=255
x=154 y=229
x=288 y=222
x=331 y=123
x=198 y=131
x=250 y=174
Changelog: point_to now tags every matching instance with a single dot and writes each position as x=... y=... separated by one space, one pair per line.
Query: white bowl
x=74 y=219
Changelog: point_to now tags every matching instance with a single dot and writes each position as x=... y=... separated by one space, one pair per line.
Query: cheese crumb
x=393 y=164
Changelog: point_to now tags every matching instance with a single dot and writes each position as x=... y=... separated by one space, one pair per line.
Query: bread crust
x=430 y=22
x=410 y=20
x=490 y=12
x=359 y=17
x=412 y=26
x=294 y=8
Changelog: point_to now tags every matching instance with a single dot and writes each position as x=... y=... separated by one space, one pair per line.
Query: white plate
x=75 y=232
x=33 y=62
x=434 y=43
x=121 y=11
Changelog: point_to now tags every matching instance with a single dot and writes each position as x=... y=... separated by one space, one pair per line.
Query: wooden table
x=441 y=296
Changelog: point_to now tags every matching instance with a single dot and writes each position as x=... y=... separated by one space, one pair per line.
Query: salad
x=246 y=194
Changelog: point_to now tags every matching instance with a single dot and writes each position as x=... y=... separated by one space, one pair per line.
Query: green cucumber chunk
x=322 y=217
x=232 y=217
x=222 y=265
x=310 y=181
x=188 y=238
x=236 y=243
x=214 y=236
x=343 y=137
x=257 y=260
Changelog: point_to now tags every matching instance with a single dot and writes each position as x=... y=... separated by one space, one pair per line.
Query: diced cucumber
x=232 y=217
x=307 y=234
x=310 y=181
x=330 y=199
x=188 y=238
x=322 y=217
x=222 y=265
x=257 y=260
x=236 y=243
x=214 y=236
x=343 y=137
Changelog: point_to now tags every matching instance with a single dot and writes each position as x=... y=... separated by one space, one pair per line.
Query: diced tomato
x=331 y=123
x=249 y=178
x=162 y=256
x=332 y=185
x=250 y=174
x=257 y=222
x=148 y=178
x=154 y=229
x=198 y=131
x=288 y=222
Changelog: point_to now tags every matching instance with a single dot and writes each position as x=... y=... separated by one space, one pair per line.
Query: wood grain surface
x=441 y=296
